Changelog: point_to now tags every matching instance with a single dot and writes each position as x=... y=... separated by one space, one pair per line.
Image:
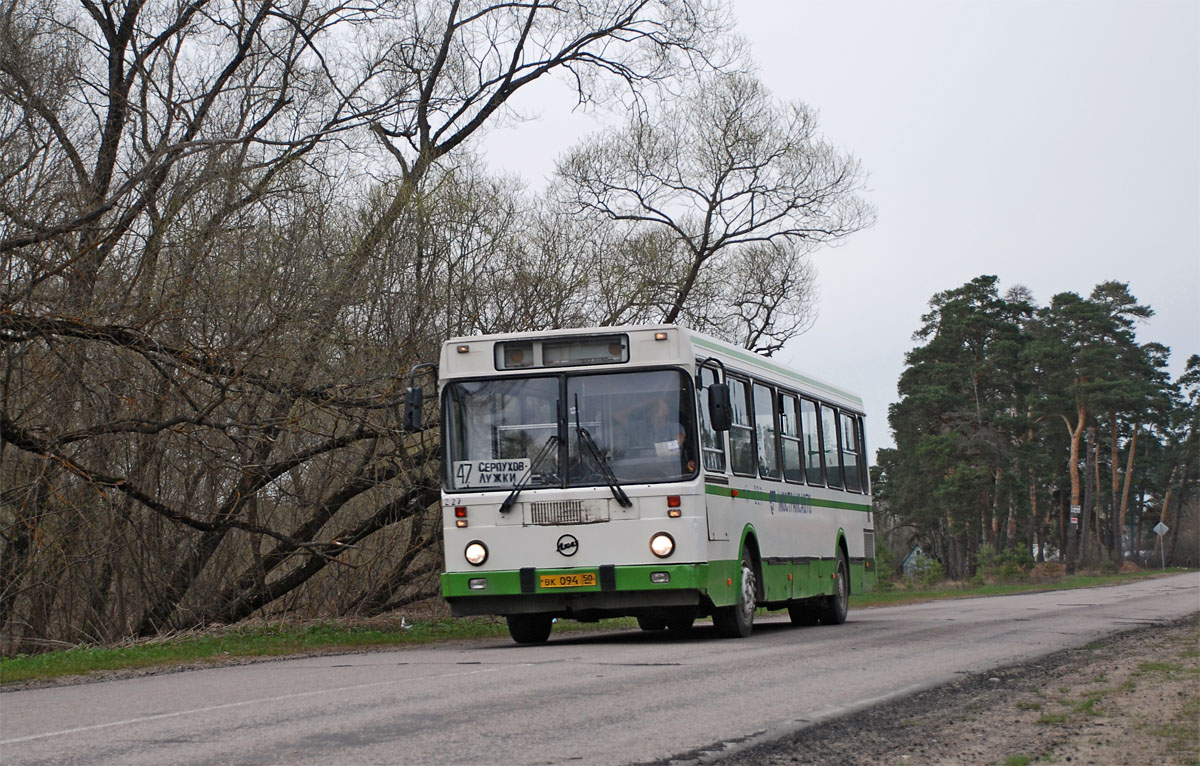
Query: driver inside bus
x=665 y=434
x=653 y=427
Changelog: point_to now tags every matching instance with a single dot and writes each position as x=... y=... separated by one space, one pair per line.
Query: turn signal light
x=460 y=512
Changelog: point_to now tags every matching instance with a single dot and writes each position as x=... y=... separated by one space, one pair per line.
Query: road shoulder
x=1133 y=697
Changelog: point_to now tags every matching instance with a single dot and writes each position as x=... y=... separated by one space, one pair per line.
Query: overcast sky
x=1053 y=144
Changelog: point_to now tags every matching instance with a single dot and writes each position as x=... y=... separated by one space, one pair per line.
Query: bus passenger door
x=717 y=493
x=719 y=508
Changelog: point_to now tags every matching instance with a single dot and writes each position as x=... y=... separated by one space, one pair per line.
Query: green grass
x=898 y=597
x=1087 y=705
x=282 y=640
x=1159 y=667
x=1016 y=760
x=250 y=642
x=255 y=641
x=1053 y=718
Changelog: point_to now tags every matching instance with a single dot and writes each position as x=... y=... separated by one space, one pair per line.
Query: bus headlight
x=476 y=553
x=662 y=545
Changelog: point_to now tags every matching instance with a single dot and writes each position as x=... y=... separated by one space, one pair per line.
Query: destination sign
x=482 y=474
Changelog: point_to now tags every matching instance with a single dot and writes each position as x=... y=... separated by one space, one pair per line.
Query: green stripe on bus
x=764 y=362
x=782 y=497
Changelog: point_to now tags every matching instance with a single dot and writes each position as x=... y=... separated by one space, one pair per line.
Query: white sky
x=1054 y=144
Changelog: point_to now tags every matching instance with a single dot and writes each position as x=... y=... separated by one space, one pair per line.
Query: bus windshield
x=528 y=431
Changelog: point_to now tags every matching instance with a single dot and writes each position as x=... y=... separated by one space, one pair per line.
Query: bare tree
x=211 y=291
x=458 y=65
x=724 y=169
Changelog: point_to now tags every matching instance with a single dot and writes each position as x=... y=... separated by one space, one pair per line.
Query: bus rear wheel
x=529 y=628
x=737 y=620
x=835 y=608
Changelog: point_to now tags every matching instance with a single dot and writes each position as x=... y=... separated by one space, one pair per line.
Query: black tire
x=529 y=628
x=737 y=620
x=651 y=623
x=835 y=608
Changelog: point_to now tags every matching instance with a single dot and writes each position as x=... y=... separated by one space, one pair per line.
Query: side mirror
x=720 y=410
x=413 y=399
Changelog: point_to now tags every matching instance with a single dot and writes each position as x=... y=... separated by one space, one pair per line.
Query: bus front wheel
x=529 y=628
x=737 y=620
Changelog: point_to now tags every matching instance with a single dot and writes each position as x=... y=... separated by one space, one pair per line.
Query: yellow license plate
x=579 y=580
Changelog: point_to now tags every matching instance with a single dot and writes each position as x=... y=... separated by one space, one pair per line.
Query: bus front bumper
x=606 y=590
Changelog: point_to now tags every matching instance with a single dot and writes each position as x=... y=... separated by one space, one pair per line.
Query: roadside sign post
x=1161 y=529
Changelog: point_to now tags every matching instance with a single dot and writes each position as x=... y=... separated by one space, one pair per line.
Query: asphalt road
x=604 y=698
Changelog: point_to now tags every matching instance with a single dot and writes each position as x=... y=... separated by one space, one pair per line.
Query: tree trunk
x=1089 y=491
x=1137 y=535
x=1119 y=534
x=1114 y=513
x=994 y=527
x=1072 y=530
x=1158 y=539
x=1174 y=523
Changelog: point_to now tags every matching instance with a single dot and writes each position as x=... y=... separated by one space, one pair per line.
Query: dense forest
x=228 y=230
x=1045 y=432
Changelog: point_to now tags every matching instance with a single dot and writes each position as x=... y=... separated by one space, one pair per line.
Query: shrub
x=928 y=571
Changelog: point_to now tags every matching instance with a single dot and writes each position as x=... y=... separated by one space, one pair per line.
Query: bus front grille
x=567 y=512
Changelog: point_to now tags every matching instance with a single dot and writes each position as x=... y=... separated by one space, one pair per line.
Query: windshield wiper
x=606 y=470
x=507 y=505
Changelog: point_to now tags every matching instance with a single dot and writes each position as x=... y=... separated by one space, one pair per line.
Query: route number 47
x=463 y=474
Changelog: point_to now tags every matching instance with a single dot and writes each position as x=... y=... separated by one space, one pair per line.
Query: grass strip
x=282 y=639
x=947 y=591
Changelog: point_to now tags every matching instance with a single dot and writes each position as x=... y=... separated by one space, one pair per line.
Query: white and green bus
x=650 y=472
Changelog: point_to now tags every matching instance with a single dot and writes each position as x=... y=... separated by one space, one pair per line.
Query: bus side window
x=829 y=444
x=712 y=443
x=767 y=432
x=810 y=432
x=851 y=460
x=789 y=428
x=741 y=433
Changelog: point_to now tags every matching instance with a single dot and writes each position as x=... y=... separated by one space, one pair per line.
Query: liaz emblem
x=568 y=545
